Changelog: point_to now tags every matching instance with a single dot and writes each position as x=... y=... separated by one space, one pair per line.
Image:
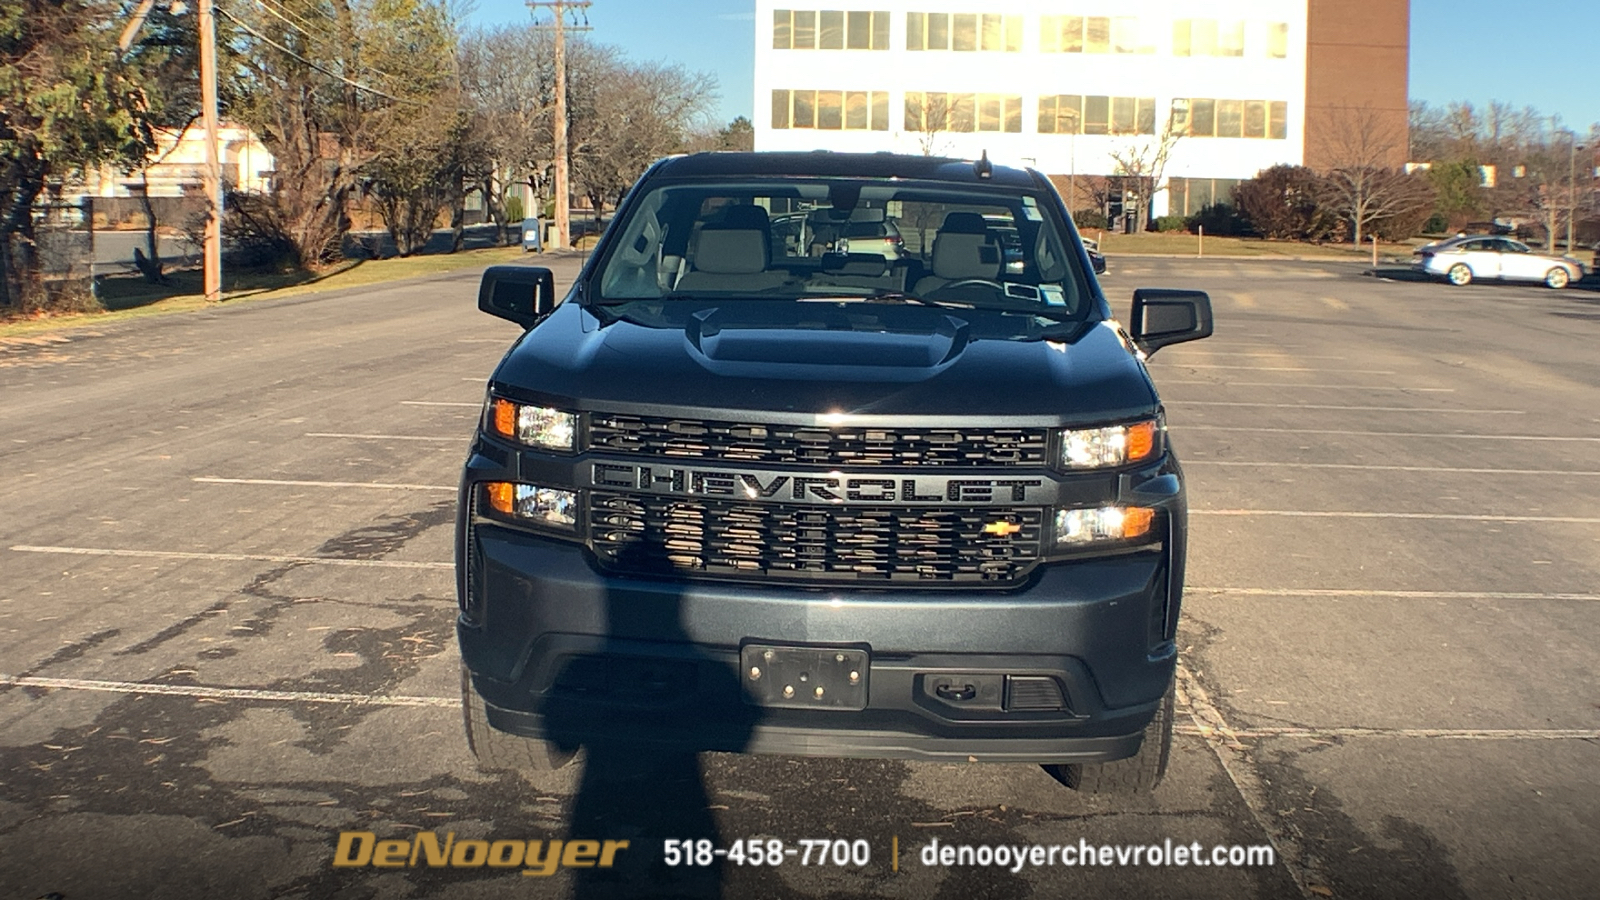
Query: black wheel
x=498 y=751
x=1557 y=278
x=1138 y=774
x=1459 y=274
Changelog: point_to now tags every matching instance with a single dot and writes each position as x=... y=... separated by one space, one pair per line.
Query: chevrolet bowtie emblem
x=1001 y=528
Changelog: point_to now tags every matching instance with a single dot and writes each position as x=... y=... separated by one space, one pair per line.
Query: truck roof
x=843 y=165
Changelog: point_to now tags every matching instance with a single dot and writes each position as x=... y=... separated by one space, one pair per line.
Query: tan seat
x=733 y=254
x=961 y=251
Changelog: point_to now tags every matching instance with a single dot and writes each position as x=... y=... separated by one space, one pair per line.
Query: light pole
x=1072 y=172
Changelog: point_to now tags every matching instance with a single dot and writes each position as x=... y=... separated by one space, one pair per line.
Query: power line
x=303 y=26
x=316 y=66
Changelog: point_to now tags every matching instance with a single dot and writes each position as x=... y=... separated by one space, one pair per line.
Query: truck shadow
x=641 y=706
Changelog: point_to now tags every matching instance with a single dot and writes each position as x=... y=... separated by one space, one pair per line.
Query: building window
x=931 y=112
x=1061 y=114
x=1278 y=40
x=963 y=31
x=830 y=29
x=1188 y=196
x=1095 y=34
x=1278 y=120
x=1207 y=37
x=1202 y=117
x=1071 y=114
x=831 y=110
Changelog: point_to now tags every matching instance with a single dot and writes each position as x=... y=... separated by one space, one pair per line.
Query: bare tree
x=632 y=115
x=930 y=115
x=1359 y=145
x=1141 y=161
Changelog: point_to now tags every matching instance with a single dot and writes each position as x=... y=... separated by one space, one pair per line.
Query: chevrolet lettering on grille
x=830 y=487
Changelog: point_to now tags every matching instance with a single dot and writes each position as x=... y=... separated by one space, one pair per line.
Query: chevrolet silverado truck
x=735 y=492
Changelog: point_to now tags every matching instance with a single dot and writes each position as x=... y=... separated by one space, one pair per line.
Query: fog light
x=531 y=503
x=1076 y=527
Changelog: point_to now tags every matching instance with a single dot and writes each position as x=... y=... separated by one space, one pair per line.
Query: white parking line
x=211 y=479
x=1421 y=434
x=1415 y=409
x=1340 y=514
x=1359 y=466
x=1296 y=384
x=221 y=693
x=385 y=437
x=439 y=403
x=1209 y=723
x=250 y=557
x=1449 y=734
x=1392 y=595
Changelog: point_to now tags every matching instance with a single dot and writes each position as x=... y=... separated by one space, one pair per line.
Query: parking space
x=226 y=611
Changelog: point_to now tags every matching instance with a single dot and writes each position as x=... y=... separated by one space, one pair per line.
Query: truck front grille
x=648 y=534
x=734 y=442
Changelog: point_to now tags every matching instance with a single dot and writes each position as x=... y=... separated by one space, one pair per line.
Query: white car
x=1463 y=260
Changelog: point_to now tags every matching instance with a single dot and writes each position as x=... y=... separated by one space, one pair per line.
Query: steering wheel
x=969 y=281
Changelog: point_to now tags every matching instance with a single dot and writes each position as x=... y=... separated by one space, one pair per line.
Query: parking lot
x=226 y=607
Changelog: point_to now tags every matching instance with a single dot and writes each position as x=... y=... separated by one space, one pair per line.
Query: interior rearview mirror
x=521 y=294
x=1162 y=317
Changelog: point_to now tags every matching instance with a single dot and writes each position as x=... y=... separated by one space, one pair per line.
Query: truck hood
x=806 y=363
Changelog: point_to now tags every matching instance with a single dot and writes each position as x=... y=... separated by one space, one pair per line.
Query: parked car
x=532 y=236
x=813 y=233
x=726 y=499
x=1462 y=260
x=1096 y=258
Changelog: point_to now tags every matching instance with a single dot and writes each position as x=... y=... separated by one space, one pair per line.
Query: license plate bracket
x=794 y=677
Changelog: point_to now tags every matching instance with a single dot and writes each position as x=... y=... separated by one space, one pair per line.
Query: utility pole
x=562 y=189
x=213 y=179
x=208 y=114
x=1572 y=185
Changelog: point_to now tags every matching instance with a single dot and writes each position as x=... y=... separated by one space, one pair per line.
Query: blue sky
x=1536 y=53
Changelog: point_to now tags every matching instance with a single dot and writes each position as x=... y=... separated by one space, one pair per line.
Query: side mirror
x=522 y=294
x=1162 y=317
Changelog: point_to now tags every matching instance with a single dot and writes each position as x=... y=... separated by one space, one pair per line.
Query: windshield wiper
x=891 y=296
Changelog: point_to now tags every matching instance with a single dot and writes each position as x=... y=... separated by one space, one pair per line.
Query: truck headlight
x=531 y=503
x=1098 y=448
x=536 y=426
x=1079 y=527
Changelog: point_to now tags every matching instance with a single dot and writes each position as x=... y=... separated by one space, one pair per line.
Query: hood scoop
x=812 y=353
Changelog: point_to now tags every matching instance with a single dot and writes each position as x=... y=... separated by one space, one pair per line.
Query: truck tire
x=1138 y=774
x=498 y=751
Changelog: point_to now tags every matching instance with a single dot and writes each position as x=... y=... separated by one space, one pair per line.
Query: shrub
x=1090 y=219
x=1218 y=219
x=254 y=232
x=1170 y=223
x=1286 y=203
x=514 y=209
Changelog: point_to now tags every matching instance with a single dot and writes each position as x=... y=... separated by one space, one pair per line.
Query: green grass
x=130 y=296
x=1169 y=243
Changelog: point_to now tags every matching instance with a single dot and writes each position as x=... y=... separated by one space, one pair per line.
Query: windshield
x=836 y=239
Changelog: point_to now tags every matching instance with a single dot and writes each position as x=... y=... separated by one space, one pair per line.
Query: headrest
x=745 y=215
x=964 y=223
x=731 y=251
x=958 y=255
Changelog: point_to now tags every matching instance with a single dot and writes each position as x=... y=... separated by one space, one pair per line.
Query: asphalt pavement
x=226 y=606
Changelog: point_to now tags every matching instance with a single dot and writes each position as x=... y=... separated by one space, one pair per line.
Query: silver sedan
x=1462 y=260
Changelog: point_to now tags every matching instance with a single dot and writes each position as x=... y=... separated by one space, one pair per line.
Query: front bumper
x=564 y=651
